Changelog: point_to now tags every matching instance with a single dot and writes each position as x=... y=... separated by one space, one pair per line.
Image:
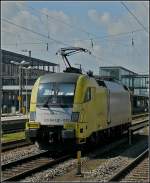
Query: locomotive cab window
x=56 y=94
x=89 y=94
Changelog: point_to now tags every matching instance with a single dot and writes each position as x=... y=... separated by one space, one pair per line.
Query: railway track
x=139 y=173
x=135 y=171
x=136 y=116
x=25 y=167
x=14 y=144
x=19 y=169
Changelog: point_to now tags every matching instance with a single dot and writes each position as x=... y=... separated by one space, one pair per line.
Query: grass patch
x=13 y=136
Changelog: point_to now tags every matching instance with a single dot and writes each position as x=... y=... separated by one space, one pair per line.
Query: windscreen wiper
x=46 y=103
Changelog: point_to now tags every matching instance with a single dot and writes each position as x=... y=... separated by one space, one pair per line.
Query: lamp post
x=26 y=69
x=29 y=52
x=20 y=64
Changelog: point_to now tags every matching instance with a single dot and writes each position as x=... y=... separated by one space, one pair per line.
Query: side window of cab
x=89 y=94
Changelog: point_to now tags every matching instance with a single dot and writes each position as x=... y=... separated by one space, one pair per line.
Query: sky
x=114 y=35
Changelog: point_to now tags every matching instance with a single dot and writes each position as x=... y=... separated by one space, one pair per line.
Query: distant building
x=10 y=77
x=137 y=83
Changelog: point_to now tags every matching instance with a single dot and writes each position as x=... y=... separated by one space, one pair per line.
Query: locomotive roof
x=59 y=77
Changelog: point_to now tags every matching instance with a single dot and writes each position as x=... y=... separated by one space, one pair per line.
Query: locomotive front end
x=51 y=106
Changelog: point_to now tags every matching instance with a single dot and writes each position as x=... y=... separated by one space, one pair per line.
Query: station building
x=11 y=75
x=137 y=83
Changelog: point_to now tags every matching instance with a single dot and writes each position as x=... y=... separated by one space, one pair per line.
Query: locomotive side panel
x=119 y=104
x=91 y=105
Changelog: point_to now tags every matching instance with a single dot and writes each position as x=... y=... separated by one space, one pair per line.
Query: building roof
x=19 y=57
x=117 y=67
x=137 y=76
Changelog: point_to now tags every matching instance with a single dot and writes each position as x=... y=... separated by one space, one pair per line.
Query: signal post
x=78 y=173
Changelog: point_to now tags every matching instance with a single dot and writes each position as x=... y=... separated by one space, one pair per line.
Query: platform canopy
x=7 y=56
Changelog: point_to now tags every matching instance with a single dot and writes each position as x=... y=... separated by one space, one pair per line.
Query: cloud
x=11 y=8
x=132 y=56
x=99 y=18
x=107 y=52
x=19 y=13
x=125 y=22
x=56 y=23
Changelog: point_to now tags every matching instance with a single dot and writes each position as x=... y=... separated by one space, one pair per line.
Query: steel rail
x=19 y=169
x=14 y=144
x=31 y=168
x=125 y=170
x=35 y=163
x=140 y=115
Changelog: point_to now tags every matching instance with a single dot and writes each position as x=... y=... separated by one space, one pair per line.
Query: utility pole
x=26 y=70
x=20 y=89
x=21 y=84
x=29 y=52
x=26 y=91
x=78 y=173
x=30 y=57
x=27 y=81
x=1 y=85
x=20 y=64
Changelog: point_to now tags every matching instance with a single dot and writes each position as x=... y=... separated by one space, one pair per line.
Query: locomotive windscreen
x=56 y=94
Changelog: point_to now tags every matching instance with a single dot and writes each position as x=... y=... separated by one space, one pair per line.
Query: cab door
x=89 y=110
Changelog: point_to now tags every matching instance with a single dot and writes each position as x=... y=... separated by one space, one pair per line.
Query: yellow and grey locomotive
x=76 y=108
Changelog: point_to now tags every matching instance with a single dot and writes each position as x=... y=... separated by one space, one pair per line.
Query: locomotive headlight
x=75 y=116
x=32 y=116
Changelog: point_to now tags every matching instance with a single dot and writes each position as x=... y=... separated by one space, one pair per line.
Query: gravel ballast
x=101 y=173
x=18 y=153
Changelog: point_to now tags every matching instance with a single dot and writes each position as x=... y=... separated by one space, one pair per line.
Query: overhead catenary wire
x=102 y=38
x=133 y=15
x=119 y=34
x=30 y=30
x=64 y=43
x=108 y=36
x=34 y=32
x=27 y=29
x=79 y=28
x=42 y=42
x=100 y=58
x=16 y=34
x=57 y=41
x=72 y=26
x=28 y=43
x=144 y=5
